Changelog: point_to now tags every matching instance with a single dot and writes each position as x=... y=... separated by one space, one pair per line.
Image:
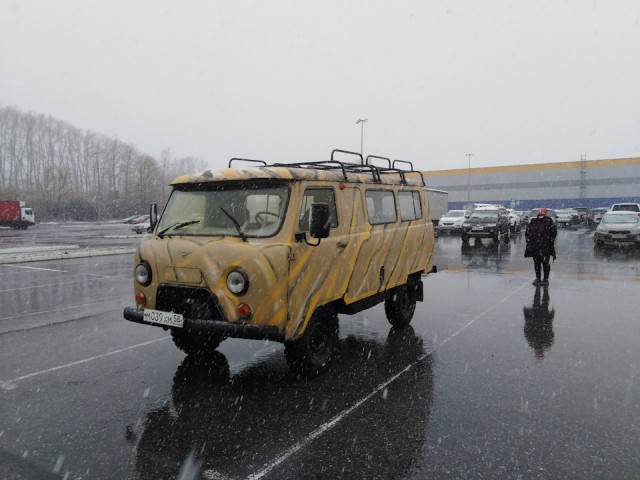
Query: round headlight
x=237 y=282
x=143 y=274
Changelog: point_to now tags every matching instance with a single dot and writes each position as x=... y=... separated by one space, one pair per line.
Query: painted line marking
x=35 y=268
x=63 y=283
x=325 y=427
x=11 y=384
x=60 y=309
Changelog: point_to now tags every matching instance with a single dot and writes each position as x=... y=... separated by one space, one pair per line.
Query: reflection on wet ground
x=237 y=424
x=538 y=322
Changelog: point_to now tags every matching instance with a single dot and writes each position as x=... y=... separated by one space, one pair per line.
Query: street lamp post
x=469 y=155
x=362 y=121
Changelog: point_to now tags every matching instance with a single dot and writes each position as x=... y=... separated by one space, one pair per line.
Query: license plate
x=620 y=237
x=163 y=318
x=477 y=228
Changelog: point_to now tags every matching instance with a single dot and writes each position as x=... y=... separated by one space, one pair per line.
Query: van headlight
x=237 y=282
x=143 y=274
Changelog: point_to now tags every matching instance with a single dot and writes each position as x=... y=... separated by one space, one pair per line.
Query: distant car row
x=140 y=223
x=618 y=225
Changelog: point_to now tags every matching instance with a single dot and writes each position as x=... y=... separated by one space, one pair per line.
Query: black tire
x=506 y=236
x=193 y=343
x=401 y=305
x=311 y=354
x=464 y=237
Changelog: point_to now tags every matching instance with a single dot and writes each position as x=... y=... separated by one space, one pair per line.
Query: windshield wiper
x=177 y=226
x=243 y=236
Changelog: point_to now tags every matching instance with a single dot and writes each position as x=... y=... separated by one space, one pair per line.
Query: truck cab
x=279 y=251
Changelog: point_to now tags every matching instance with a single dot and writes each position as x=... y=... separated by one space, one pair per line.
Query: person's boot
x=537 y=282
x=545 y=280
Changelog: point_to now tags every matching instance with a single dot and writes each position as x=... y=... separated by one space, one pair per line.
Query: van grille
x=191 y=302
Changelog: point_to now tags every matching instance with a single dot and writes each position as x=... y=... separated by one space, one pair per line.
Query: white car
x=619 y=228
x=515 y=222
x=141 y=227
x=452 y=220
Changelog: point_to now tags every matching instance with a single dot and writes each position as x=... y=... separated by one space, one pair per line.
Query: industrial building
x=583 y=183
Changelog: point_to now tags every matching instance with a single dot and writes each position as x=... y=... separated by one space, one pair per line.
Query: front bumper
x=449 y=228
x=490 y=232
x=233 y=330
x=622 y=240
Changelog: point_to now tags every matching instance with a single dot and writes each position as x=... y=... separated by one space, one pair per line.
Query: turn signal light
x=141 y=299
x=244 y=310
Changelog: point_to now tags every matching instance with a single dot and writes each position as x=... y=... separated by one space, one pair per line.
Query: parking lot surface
x=494 y=378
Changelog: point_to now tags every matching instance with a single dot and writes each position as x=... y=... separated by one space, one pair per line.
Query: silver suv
x=486 y=222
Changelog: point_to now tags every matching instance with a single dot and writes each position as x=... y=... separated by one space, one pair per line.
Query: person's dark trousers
x=541 y=265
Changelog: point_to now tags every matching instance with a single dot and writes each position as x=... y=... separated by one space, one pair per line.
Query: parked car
x=524 y=217
x=131 y=218
x=626 y=207
x=619 y=228
x=452 y=221
x=583 y=211
x=515 y=222
x=595 y=215
x=140 y=219
x=567 y=218
x=141 y=227
x=486 y=222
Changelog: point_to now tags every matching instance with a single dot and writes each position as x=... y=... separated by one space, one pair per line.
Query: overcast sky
x=512 y=82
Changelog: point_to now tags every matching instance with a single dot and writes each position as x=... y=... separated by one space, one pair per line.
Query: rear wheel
x=193 y=343
x=401 y=305
x=311 y=354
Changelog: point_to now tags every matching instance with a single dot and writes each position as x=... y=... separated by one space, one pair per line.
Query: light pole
x=362 y=121
x=469 y=155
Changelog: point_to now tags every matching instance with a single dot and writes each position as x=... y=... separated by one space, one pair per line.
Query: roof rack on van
x=264 y=164
x=363 y=167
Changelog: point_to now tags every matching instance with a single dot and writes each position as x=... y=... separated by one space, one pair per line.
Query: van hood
x=206 y=263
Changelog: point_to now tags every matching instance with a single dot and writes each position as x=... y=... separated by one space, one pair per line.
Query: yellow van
x=278 y=251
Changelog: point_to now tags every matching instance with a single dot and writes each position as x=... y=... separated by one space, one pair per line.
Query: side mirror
x=153 y=216
x=319 y=221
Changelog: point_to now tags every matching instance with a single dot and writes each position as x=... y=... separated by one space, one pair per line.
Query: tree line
x=66 y=173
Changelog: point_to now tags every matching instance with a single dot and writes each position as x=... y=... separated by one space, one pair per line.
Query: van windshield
x=229 y=210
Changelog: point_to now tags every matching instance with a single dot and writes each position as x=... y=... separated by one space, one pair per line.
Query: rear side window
x=381 y=206
x=410 y=208
x=627 y=207
x=317 y=195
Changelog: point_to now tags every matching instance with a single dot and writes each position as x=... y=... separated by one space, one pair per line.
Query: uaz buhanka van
x=278 y=251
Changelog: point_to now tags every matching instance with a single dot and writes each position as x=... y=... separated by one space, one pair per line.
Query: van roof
x=329 y=170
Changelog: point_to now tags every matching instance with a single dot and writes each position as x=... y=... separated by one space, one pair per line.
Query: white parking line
x=11 y=384
x=22 y=315
x=35 y=268
x=325 y=427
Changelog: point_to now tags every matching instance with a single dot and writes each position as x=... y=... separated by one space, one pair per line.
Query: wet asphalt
x=494 y=379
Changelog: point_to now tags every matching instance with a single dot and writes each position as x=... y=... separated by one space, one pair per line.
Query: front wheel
x=193 y=343
x=311 y=354
x=401 y=305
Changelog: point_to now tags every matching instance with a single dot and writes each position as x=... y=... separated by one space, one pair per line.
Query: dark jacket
x=541 y=236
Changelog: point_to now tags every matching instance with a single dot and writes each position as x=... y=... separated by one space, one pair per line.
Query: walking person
x=541 y=236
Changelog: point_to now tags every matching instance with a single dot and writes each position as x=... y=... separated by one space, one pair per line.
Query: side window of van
x=381 y=206
x=317 y=195
x=410 y=208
